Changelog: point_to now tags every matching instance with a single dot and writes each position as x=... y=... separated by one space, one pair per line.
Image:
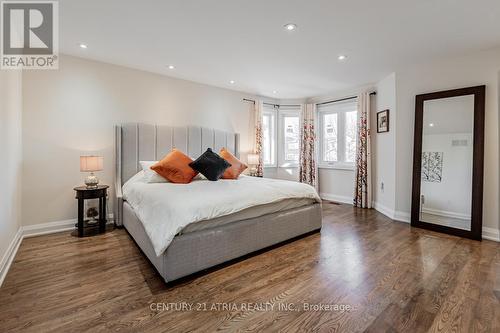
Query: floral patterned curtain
x=308 y=169
x=259 y=105
x=363 y=185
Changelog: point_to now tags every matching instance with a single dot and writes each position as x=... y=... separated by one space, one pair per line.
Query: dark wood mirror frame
x=477 y=163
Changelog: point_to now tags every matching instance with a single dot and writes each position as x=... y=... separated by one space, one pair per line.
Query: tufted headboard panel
x=136 y=142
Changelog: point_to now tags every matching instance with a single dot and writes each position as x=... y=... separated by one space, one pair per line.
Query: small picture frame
x=383 y=121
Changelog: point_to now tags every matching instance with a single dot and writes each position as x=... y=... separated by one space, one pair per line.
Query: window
x=289 y=136
x=280 y=136
x=269 y=136
x=337 y=134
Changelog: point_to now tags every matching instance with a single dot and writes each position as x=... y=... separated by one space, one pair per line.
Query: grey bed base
x=192 y=252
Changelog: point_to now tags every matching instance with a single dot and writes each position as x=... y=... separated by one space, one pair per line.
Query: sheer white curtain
x=308 y=161
x=258 y=107
x=363 y=181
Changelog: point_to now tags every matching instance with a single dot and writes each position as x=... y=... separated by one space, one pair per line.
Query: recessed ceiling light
x=342 y=57
x=431 y=124
x=290 y=26
x=275 y=91
x=83 y=46
x=171 y=66
x=232 y=81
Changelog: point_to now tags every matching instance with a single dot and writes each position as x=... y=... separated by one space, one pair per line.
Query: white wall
x=336 y=185
x=71 y=112
x=474 y=69
x=384 y=148
x=453 y=195
x=282 y=173
x=10 y=150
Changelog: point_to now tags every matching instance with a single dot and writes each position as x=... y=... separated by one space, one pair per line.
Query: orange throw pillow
x=175 y=167
x=236 y=168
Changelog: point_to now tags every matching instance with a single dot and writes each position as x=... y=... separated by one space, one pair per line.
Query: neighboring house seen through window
x=336 y=130
x=269 y=136
x=289 y=136
x=337 y=134
x=281 y=135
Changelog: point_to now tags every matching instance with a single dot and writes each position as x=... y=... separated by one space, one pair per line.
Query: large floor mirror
x=448 y=162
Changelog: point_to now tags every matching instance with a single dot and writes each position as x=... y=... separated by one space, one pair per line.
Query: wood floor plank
x=395 y=278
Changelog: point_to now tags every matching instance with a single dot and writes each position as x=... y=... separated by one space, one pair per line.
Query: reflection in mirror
x=447 y=158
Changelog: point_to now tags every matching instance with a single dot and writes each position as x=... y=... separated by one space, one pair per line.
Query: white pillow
x=200 y=176
x=150 y=176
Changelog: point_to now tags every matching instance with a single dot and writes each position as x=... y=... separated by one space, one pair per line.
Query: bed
x=180 y=240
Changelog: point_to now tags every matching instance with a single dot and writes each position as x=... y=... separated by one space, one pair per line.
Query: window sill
x=288 y=166
x=337 y=167
x=281 y=167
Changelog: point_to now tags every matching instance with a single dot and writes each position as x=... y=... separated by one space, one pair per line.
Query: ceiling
x=215 y=41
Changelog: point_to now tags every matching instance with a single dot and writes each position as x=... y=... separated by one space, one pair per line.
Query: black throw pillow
x=210 y=165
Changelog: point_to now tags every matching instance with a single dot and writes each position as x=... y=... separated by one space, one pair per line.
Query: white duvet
x=166 y=208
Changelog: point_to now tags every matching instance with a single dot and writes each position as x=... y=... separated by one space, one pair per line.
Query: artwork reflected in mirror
x=447 y=159
x=432 y=166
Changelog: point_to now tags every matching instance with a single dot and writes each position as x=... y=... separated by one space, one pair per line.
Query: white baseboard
x=336 y=198
x=52 y=227
x=48 y=228
x=402 y=216
x=31 y=231
x=391 y=213
x=383 y=209
x=445 y=213
x=491 y=234
x=9 y=255
x=488 y=233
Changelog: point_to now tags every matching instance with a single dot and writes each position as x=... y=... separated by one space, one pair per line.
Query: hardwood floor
x=394 y=278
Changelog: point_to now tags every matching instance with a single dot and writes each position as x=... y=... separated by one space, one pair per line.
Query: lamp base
x=91 y=181
x=253 y=171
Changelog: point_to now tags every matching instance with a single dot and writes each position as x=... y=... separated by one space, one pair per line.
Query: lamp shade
x=91 y=163
x=253 y=159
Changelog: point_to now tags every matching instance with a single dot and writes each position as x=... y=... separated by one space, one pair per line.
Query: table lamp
x=91 y=164
x=253 y=160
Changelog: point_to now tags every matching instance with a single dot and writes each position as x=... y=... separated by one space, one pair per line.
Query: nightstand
x=83 y=193
x=254 y=175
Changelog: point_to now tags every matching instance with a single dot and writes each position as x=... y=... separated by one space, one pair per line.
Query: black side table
x=83 y=193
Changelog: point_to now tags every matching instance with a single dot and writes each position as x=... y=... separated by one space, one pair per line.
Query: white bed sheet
x=165 y=209
x=248 y=213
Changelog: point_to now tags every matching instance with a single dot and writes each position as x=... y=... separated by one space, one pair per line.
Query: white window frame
x=334 y=108
x=272 y=111
x=286 y=111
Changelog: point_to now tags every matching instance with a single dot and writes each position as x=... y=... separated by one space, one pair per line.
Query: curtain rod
x=328 y=102
x=344 y=99
x=278 y=105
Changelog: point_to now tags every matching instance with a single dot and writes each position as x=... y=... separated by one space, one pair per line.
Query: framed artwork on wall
x=383 y=121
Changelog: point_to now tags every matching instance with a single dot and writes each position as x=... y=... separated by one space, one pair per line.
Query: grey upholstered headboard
x=136 y=142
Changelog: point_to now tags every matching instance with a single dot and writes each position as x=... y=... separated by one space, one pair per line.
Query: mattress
x=168 y=209
x=248 y=213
